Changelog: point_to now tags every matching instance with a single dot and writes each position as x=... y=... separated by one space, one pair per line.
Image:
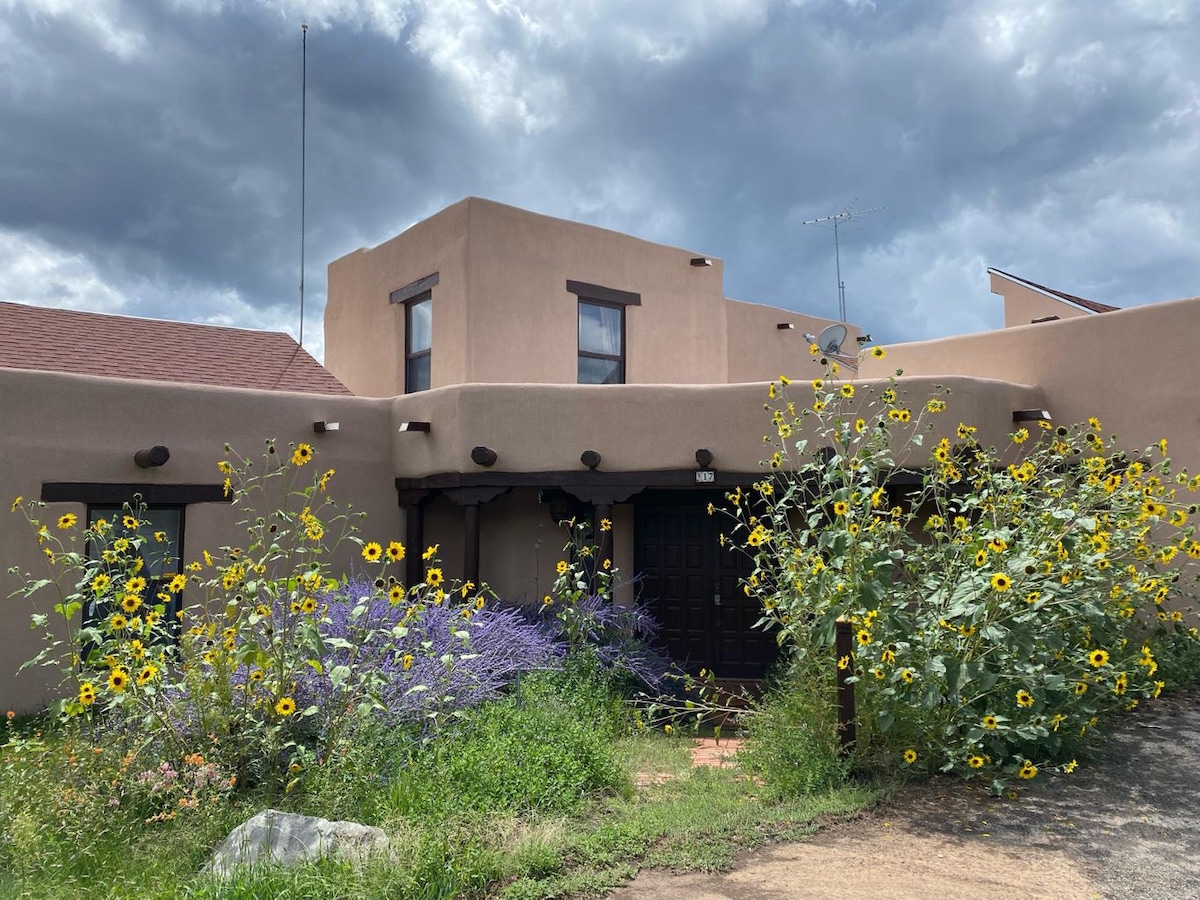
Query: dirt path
x=1127 y=825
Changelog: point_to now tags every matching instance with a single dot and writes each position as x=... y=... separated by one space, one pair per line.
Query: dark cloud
x=150 y=154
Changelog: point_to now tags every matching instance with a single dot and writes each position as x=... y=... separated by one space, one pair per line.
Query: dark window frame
x=410 y=295
x=598 y=295
x=93 y=616
x=409 y=355
x=591 y=354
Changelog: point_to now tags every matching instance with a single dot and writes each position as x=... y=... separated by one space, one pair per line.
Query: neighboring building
x=463 y=359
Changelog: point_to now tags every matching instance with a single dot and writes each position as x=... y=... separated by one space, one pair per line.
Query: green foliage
x=1002 y=605
x=792 y=741
x=512 y=756
x=253 y=672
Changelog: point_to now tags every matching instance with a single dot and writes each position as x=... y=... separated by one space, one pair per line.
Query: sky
x=150 y=151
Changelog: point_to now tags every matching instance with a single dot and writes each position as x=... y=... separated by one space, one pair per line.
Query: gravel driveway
x=1125 y=825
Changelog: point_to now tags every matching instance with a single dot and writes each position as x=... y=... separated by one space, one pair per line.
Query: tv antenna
x=837 y=219
x=303 y=171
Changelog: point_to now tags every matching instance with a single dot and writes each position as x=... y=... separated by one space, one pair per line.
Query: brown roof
x=84 y=343
x=1091 y=305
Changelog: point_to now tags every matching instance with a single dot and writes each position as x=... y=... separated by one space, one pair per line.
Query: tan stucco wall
x=524 y=323
x=1136 y=369
x=1023 y=304
x=74 y=428
x=364 y=332
x=502 y=312
x=759 y=350
x=541 y=427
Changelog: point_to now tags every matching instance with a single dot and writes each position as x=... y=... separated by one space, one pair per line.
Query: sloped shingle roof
x=1090 y=305
x=84 y=343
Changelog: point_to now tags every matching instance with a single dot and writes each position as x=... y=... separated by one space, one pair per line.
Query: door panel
x=690 y=584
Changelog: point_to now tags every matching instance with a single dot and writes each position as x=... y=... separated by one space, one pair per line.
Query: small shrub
x=792 y=742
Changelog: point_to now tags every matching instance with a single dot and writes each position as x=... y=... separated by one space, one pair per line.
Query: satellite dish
x=830 y=339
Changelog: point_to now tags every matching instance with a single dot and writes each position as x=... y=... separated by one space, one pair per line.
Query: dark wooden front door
x=691 y=585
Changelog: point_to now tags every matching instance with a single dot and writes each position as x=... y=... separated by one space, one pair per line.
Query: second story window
x=602 y=331
x=601 y=343
x=418 y=343
x=417 y=297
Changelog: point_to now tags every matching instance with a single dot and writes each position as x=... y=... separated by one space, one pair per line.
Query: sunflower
x=981 y=558
x=308 y=605
x=1001 y=582
x=67 y=520
x=100 y=583
x=1028 y=771
x=990 y=723
x=302 y=454
x=841 y=508
x=395 y=551
x=87 y=694
x=910 y=756
x=561 y=567
x=847 y=391
x=371 y=552
x=407 y=661
x=118 y=680
x=864 y=637
x=433 y=577
x=975 y=761
x=1080 y=688
x=1098 y=658
x=130 y=523
x=130 y=603
x=147 y=674
x=118 y=623
x=135 y=585
x=177 y=583
x=395 y=594
x=1024 y=699
x=878 y=352
x=286 y=705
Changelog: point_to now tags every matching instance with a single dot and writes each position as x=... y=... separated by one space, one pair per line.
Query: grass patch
x=522 y=801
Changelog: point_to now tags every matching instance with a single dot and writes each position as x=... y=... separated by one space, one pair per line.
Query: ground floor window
x=160 y=529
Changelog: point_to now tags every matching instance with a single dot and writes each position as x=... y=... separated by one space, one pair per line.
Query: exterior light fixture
x=414 y=426
x=785 y=326
x=1032 y=415
x=701 y=261
x=590 y=458
x=704 y=458
x=484 y=456
x=322 y=427
x=811 y=338
x=1040 y=319
x=863 y=339
x=152 y=457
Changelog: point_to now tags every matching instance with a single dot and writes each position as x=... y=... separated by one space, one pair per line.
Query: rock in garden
x=285 y=839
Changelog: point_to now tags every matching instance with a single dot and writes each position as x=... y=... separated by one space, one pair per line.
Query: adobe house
x=492 y=370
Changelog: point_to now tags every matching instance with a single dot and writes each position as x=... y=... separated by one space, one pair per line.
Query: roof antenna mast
x=303 y=137
x=837 y=219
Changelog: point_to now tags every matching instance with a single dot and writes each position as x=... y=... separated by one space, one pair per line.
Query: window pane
x=599 y=371
x=420 y=326
x=159 y=557
x=600 y=329
x=417 y=374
